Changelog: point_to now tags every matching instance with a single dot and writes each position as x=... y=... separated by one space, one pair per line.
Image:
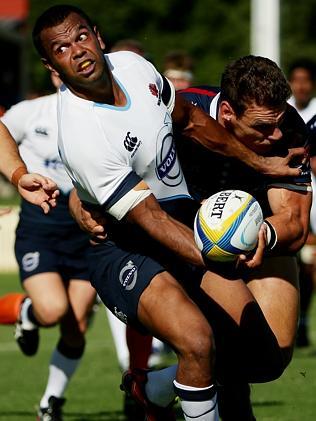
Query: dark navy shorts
x=120 y=277
x=40 y=249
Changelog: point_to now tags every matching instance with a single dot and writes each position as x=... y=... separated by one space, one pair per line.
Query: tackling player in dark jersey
x=246 y=106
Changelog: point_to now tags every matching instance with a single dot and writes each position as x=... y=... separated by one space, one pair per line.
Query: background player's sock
x=118 y=330
x=139 y=347
x=198 y=404
x=29 y=321
x=63 y=364
x=159 y=387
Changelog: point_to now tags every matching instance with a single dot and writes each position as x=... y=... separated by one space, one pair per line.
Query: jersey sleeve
x=15 y=119
x=166 y=89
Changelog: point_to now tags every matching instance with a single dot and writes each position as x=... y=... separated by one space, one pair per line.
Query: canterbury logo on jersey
x=131 y=143
x=41 y=130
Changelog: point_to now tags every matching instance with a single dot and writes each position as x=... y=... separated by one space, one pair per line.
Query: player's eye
x=61 y=49
x=264 y=127
x=83 y=37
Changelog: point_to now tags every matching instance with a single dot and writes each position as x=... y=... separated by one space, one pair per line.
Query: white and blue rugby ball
x=227 y=225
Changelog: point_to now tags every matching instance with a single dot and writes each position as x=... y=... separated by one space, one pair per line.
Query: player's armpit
x=290 y=219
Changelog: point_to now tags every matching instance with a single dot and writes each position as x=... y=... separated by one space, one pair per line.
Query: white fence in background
x=8 y=224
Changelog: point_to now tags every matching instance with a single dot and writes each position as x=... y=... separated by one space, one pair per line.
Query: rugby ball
x=227 y=225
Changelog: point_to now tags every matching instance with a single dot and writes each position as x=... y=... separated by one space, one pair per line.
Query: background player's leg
x=118 y=330
x=69 y=350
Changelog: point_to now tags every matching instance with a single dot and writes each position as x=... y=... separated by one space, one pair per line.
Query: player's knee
x=53 y=313
x=198 y=344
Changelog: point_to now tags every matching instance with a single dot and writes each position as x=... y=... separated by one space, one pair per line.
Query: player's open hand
x=39 y=190
x=93 y=222
x=89 y=219
x=255 y=258
x=277 y=166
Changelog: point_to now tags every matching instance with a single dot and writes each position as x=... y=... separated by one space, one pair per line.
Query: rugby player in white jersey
x=51 y=252
x=115 y=139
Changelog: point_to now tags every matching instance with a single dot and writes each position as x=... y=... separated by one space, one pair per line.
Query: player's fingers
x=45 y=207
x=98 y=229
x=295 y=153
x=52 y=202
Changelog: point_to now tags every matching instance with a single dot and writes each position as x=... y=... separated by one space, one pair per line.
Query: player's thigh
x=229 y=294
x=48 y=294
x=168 y=313
x=275 y=287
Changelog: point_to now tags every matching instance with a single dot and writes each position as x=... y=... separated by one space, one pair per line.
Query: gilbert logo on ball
x=227 y=224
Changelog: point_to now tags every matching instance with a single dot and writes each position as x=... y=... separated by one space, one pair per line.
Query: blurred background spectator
x=302 y=78
x=178 y=68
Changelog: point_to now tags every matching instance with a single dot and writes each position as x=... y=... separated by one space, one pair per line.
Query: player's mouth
x=86 y=67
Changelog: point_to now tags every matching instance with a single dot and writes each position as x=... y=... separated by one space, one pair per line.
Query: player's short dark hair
x=51 y=17
x=303 y=63
x=254 y=79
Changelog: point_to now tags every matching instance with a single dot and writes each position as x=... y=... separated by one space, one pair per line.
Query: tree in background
x=213 y=32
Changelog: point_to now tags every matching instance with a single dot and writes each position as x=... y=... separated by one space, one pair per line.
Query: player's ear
x=49 y=67
x=99 y=38
x=226 y=111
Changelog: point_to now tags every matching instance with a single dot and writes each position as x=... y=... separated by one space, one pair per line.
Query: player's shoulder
x=203 y=90
x=200 y=96
x=311 y=124
x=125 y=59
x=31 y=107
x=293 y=127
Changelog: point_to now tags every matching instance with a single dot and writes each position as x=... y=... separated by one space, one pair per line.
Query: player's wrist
x=17 y=174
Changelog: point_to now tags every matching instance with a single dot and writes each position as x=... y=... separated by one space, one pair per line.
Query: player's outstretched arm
x=10 y=159
x=200 y=127
x=174 y=235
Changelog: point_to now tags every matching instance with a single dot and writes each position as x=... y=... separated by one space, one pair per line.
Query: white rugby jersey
x=33 y=125
x=107 y=150
x=306 y=113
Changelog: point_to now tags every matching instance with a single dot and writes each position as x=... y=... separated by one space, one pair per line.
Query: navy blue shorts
x=120 y=277
x=47 y=248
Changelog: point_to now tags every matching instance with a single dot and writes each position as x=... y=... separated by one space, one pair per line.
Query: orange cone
x=10 y=307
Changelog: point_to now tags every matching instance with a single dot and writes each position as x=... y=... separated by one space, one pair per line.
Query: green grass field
x=94 y=395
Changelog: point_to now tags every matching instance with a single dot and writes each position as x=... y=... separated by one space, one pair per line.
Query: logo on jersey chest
x=131 y=143
x=155 y=91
